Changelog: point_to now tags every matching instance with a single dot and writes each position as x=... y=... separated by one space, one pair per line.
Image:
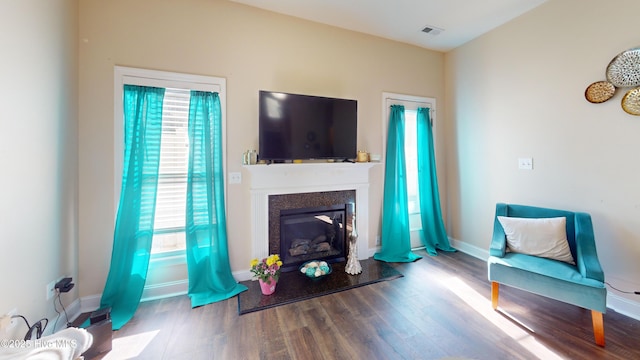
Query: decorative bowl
x=315 y=269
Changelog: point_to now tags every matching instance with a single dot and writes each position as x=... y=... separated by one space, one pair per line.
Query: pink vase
x=269 y=287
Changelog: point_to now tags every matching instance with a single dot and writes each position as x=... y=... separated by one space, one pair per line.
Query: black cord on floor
x=55 y=324
x=38 y=327
x=58 y=312
x=623 y=291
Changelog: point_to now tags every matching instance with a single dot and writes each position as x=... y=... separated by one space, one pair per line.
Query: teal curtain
x=134 y=221
x=396 y=243
x=210 y=277
x=434 y=234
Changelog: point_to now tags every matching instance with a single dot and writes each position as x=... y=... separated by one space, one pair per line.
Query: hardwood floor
x=441 y=308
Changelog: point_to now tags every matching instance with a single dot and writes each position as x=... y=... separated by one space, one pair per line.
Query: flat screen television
x=303 y=127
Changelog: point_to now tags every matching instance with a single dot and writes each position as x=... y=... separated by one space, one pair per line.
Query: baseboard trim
x=469 y=249
x=72 y=312
x=91 y=303
x=152 y=292
x=623 y=306
x=615 y=302
x=373 y=251
x=242 y=275
x=165 y=290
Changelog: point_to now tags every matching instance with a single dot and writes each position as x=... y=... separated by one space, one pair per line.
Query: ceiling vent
x=432 y=30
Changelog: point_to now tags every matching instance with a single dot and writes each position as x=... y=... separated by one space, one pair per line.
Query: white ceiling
x=403 y=20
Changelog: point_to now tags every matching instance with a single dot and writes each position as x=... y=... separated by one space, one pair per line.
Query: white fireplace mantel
x=276 y=179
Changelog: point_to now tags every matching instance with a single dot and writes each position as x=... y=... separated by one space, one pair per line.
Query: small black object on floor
x=295 y=286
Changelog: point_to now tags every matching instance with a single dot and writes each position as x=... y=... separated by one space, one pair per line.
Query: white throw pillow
x=544 y=237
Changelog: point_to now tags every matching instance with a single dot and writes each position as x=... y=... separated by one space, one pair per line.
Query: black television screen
x=304 y=127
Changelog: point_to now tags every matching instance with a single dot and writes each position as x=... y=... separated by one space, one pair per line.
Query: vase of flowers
x=267 y=271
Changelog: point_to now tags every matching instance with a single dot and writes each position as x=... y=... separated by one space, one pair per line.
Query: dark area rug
x=294 y=286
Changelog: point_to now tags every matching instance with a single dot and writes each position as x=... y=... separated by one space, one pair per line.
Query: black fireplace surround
x=310 y=226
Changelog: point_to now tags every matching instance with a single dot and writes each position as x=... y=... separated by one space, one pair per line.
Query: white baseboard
x=165 y=290
x=623 y=306
x=91 y=303
x=373 y=251
x=151 y=292
x=242 y=275
x=615 y=302
x=72 y=312
x=476 y=252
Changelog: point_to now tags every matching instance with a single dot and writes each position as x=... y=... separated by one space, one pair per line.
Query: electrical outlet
x=51 y=290
x=378 y=240
x=14 y=321
x=7 y=322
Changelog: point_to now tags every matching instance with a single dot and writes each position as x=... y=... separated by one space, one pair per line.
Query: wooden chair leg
x=598 y=327
x=495 y=287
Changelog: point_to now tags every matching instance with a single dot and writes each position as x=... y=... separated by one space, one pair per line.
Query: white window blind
x=172 y=181
x=169 y=225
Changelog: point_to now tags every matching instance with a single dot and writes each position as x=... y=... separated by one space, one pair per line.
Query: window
x=169 y=225
x=411 y=158
x=168 y=234
x=411 y=105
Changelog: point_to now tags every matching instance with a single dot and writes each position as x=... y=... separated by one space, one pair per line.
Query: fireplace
x=277 y=187
x=312 y=233
x=310 y=226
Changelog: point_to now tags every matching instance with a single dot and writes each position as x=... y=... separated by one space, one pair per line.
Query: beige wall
x=38 y=210
x=517 y=92
x=253 y=50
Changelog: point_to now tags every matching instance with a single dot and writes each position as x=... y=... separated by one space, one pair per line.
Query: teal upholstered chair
x=581 y=284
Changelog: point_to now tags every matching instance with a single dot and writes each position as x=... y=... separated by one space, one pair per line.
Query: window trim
x=136 y=76
x=410 y=102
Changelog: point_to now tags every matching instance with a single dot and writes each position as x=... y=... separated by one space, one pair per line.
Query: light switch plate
x=525 y=163
x=235 y=178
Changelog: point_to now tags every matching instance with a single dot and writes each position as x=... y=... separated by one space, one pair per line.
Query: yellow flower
x=267 y=268
x=270 y=261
